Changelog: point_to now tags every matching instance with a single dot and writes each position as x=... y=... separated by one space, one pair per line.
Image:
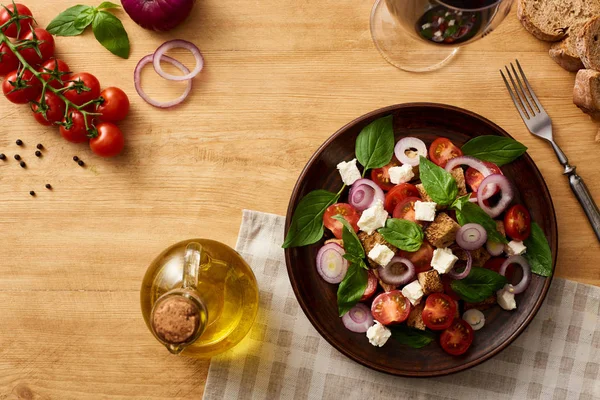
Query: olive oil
x=217 y=283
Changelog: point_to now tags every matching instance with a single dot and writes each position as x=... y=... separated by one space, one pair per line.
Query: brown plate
x=426 y=121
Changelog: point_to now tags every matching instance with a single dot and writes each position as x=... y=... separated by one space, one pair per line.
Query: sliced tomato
x=474 y=177
x=447 y=282
x=381 y=176
x=347 y=211
x=457 y=338
x=406 y=210
x=439 y=311
x=390 y=308
x=421 y=258
x=399 y=193
x=442 y=150
x=371 y=287
x=495 y=263
x=517 y=222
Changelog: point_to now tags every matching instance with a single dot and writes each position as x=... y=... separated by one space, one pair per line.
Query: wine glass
x=423 y=35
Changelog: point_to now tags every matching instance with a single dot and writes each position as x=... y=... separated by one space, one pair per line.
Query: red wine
x=468 y=4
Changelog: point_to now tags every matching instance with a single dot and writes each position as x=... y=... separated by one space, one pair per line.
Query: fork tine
x=526 y=93
x=531 y=92
x=523 y=113
x=531 y=113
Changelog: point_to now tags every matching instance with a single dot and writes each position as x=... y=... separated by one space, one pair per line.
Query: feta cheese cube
x=440 y=20
x=443 y=260
x=381 y=254
x=349 y=171
x=413 y=292
x=515 y=248
x=425 y=26
x=506 y=298
x=425 y=210
x=373 y=218
x=451 y=23
x=438 y=33
x=401 y=174
x=378 y=334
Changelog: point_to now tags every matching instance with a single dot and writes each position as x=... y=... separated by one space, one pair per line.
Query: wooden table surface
x=280 y=77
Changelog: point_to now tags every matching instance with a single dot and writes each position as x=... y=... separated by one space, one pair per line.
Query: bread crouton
x=415 y=318
x=430 y=281
x=480 y=256
x=442 y=231
x=459 y=176
x=369 y=241
x=500 y=228
x=385 y=286
x=336 y=241
x=482 y=305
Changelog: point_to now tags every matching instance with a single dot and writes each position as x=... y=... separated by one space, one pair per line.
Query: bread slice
x=564 y=53
x=586 y=93
x=549 y=20
x=588 y=43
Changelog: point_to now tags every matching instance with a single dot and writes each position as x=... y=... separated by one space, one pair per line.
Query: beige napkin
x=283 y=357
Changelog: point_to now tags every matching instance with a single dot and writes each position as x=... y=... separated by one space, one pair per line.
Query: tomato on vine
x=82 y=88
x=56 y=72
x=114 y=106
x=43 y=40
x=73 y=127
x=22 y=25
x=21 y=89
x=50 y=110
x=107 y=140
x=8 y=60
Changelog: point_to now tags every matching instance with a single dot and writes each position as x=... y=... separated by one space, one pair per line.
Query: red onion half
x=158 y=15
x=475 y=164
x=397 y=272
x=358 y=319
x=471 y=236
x=494 y=248
x=331 y=264
x=364 y=193
x=507 y=194
x=409 y=143
x=462 y=275
x=137 y=73
x=522 y=262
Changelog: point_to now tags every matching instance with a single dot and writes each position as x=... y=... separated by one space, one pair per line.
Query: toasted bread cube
x=500 y=228
x=442 y=231
x=385 y=286
x=482 y=305
x=430 y=282
x=369 y=241
x=415 y=318
x=479 y=256
x=459 y=176
x=336 y=241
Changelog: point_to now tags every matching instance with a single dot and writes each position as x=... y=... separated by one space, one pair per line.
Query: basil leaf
x=307 y=221
x=538 y=252
x=480 y=284
x=106 y=5
x=375 y=144
x=64 y=23
x=351 y=288
x=438 y=183
x=109 y=31
x=497 y=149
x=352 y=244
x=411 y=337
x=84 y=19
x=467 y=212
x=405 y=235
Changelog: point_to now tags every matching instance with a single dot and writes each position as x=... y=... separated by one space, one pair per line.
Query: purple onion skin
x=158 y=15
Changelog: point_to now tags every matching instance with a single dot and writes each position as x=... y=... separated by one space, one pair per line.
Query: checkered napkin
x=283 y=357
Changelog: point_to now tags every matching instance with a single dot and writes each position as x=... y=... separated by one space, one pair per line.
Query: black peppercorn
x=22 y=164
x=48 y=186
x=81 y=163
x=32 y=193
x=19 y=142
x=38 y=153
x=75 y=158
x=17 y=157
x=40 y=146
x=2 y=156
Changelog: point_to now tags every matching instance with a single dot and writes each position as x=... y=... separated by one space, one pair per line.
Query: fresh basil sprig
x=375 y=144
x=497 y=149
x=467 y=212
x=405 y=235
x=307 y=222
x=538 y=251
x=354 y=283
x=411 y=337
x=438 y=182
x=107 y=28
x=352 y=245
x=480 y=284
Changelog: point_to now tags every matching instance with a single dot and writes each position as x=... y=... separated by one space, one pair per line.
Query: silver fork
x=538 y=122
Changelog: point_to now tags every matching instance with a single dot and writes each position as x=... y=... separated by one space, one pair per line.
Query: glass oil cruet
x=199 y=298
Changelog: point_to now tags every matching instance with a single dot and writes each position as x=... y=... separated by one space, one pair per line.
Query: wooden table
x=280 y=77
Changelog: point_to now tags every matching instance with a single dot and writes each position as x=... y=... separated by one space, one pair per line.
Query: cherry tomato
x=474 y=177
x=406 y=210
x=495 y=263
x=421 y=258
x=8 y=61
x=399 y=193
x=390 y=308
x=447 y=281
x=109 y=142
x=347 y=211
x=21 y=91
x=75 y=131
x=54 y=109
x=25 y=22
x=517 y=222
x=82 y=88
x=439 y=312
x=442 y=150
x=381 y=176
x=55 y=72
x=115 y=104
x=45 y=45
x=457 y=338
x=371 y=287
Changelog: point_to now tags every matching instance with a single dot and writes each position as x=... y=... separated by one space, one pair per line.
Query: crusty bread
x=549 y=20
x=586 y=93
x=588 y=43
x=564 y=53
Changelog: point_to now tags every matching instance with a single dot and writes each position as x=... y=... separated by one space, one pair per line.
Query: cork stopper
x=176 y=319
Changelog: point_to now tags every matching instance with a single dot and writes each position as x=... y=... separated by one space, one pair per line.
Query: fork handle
x=585 y=199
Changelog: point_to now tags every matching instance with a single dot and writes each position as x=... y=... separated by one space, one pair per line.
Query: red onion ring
x=471 y=236
x=462 y=275
x=364 y=193
x=408 y=143
x=173 y=44
x=522 y=262
x=390 y=274
x=340 y=263
x=138 y=82
x=358 y=319
x=475 y=164
x=494 y=248
x=505 y=189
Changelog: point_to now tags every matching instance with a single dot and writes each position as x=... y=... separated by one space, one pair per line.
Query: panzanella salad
x=433 y=231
